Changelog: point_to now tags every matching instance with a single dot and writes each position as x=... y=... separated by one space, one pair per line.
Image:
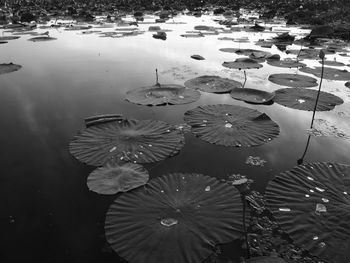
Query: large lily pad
x=304 y=99
x=329 y=73
x=231 y=125
x=293 y=80
x=332 y=63
x=252 y=95
x=113 y=178
x=8 y=68
x=286 y=63
x=42 y=39
x=312 y=204
x=242 y=63
x=176 y=218
x=162 y=95
x=140 y=141
x=213 y=84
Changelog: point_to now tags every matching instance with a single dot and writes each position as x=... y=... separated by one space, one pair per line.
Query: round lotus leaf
x=332 y=63
x=265 y=259
x=242 y=63
x=213 y=84
x=329 y=73
x=41 y=39
x=286 y=63
x=140 y=141
x=305 y=99
x=252 y=95
x=312 y=204
x=162 y=95
x=293 y=80
x=177 y=218
x=231 y=125
x=114 y=178
x=197 y=57
x=8 y=68
x=238 y=51
x=6 y=38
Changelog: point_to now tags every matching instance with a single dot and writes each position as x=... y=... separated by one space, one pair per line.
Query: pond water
x=47 y=212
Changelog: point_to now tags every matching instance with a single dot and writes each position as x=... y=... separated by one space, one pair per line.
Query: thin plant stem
x=157 y=82
x=301 y=160
x=245 y=78
x=318 y=95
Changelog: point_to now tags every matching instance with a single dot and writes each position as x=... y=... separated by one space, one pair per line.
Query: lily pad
x=333 y=63
x=347 y=84
x=6 y=38
x=286 y=63
x=41 y=39
x=177 y=218
x=197 y=57
x=8 y=68
x=3 y=42
x=114 y=178
x=252 y=95
x=304 y=99
x=312 y=204
x=162 y=95
x=242 y=63
x=293 y=80
x=213 y=84
x=329 y=73
x=138 y=141
x=231 y=125
x=192 y=35
x=238 y=51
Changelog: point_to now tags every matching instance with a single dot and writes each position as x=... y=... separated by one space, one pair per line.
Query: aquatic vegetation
x=242 y=63
x=7 y=38
x=347 y=84
x=231 y=125
x=293 y=80
x=139 y=141
x=197 y=57
x=8 y=68
x=286 y=63
x=311 y=203
x=322 y=127
x=252 y=95
x=177 y=218
x=42 y=39
x=98 y=119
x=113 y=178
x=333 y=63
x=304 y=99
x=329 y=73
x=238 y=51
x=162 y=94
x=255 y=161
x=212 y=84
x=265 y=259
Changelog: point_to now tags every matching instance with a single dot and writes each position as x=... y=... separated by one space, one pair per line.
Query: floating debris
x=255 y=161
x=323 y=127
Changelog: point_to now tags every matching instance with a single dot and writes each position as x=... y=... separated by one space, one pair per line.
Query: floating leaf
x=255 y=161
x=238 y=51
x=6 y=38
x=252 y=95
x=304 y=99
x=293 y=80
x=162 y=94
x=114 y=178
x=8 y=68
x=347 y=84
x=242 y=63
x=177 y=218
x=329 y=73
x=140 y=141
x=231 y=125
x=213 y=84
x=41 y=39
x=317 y=196
x=333 y=63
x=286 y=63
x=98 y=119
x=197 y=57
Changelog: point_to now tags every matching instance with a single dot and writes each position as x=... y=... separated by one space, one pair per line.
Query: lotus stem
x=301 y=160
x=319 y=90
x=245 y=78
x=157 y=83
x=301 y=47
x=244 y=225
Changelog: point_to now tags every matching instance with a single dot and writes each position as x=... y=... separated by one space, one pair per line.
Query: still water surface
x=47 y=212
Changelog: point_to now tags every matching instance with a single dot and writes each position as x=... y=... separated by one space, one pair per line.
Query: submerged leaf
x=139 y=141
x=317 y=196
x=305 y=99
x=213 y=84
x=8 y=68
x=113 y=178
x=162 y=95
x=177 y=218
x=231 y=125
x=293 y=80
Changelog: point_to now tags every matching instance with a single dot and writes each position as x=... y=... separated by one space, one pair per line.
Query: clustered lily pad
x=114 y=178
x=293 y=80
x=312 y=204
x=213 y=84
x=252 y=95
x=242 y=63
x=9 y=67
x=177 y=218
x=139 y=141
x=329 y=73
x=160 y=94
x=304 y=99
x=231 y=125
